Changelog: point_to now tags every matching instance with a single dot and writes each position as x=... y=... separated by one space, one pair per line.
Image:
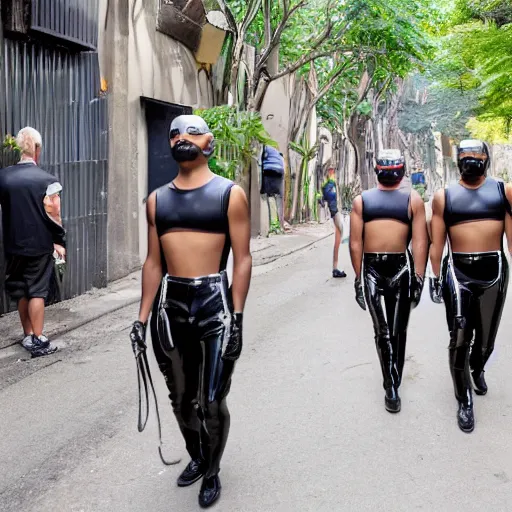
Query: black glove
x=359 y=294
x=233 y=347
x=138 y=338
x=436 y=290
x=416 y=289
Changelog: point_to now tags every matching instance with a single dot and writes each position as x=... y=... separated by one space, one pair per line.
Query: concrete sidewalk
x=75 y=313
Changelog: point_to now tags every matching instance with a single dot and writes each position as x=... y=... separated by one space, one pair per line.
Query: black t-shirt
x=27 y=228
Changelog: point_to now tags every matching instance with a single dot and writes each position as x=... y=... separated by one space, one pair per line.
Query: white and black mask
x=185 y=150
x=473 y=159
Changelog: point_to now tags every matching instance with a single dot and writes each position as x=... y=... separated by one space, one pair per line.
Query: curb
x=6 y=357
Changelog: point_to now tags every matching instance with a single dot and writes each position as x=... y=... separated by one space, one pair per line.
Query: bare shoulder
x=357 y=204
x=151 y=200
x=237 y=195
x=508 y=192
x=151 y=207
x=238 y=203
x=438 y=202
x=417 y=201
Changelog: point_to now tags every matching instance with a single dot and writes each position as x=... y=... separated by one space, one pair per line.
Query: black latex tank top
x=386 y=205
x=203 y=209
x=487 y=202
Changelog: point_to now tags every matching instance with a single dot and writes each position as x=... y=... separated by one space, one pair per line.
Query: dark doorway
x=161 y=166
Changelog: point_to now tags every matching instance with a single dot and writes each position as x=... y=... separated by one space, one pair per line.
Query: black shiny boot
x=210 y=491
x=192 y=473
x=466 y=418
x=479 y=382
x=392 y=400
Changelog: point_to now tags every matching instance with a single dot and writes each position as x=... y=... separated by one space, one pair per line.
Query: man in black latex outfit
x=196 y=321
x=473 y=277
x=384 y=220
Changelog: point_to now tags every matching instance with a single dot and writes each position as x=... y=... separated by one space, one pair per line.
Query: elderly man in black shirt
x=32 y=231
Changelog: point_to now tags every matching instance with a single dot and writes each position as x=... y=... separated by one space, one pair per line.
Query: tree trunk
x=392 y=115
x=295 y=182
x=237 y=59
x=299 y=116
x=357 y=136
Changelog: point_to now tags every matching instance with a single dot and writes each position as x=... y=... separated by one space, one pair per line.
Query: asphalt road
x=309 y=429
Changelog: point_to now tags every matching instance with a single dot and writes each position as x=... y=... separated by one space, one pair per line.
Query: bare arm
x=508 y=218
x=419 y=234
x=240 y=234
x=152 y=269
x=356 y=235
x=438 y=232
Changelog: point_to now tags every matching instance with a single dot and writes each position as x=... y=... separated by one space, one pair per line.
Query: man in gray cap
x=196 y=324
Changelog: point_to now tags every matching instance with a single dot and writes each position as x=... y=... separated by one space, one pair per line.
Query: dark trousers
x=189 y=327
x=474 y=291
x=387 y=285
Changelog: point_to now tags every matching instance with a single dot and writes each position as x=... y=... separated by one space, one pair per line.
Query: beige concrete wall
x=275 y=111
x=275 y=115
x=326 y=135
x=136 y=61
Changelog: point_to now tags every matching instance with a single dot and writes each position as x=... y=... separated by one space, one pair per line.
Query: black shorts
x=28 y=276
x=333 y=207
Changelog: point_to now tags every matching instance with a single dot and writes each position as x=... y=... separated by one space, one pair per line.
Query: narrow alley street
x=309 y=431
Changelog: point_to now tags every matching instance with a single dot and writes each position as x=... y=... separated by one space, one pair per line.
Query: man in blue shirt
x=330 y=197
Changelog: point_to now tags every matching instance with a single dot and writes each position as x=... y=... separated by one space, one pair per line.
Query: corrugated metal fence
x=57 y=93
x=75 y=21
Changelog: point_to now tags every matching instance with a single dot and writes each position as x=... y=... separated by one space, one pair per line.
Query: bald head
x=30 y=143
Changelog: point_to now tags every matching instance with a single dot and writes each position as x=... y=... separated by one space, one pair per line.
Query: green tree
x=344 y=49
x=477 y=57
x=238 y=136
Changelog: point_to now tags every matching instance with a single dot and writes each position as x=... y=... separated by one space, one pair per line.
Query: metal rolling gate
x=58 y=93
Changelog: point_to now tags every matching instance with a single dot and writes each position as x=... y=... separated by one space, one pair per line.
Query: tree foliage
x=346 y=51
x=342 y=40
x=443 y=109
x=477 y=56
x=400 y=36
x=237 y=135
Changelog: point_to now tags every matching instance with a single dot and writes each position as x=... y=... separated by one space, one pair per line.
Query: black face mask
x=185 y=151
x=390 y=177
x=472 y=169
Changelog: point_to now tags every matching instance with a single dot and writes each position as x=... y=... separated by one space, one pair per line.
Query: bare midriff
x=191 y=253
x=385 y=235
x=477 y=236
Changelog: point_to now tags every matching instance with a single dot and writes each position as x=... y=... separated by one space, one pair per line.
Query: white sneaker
x=27 y=341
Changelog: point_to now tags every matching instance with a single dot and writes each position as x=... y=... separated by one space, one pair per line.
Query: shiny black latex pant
x=474 y=291
x=189 y=328
x=387 y=284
